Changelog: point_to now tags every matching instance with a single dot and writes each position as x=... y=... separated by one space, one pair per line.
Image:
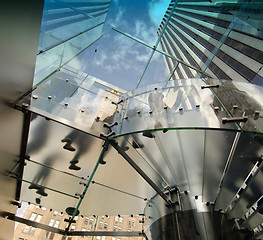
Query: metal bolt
x=197 y=105
x=49 y=97
x=66 y=104
x=235 y=107
x=35 y=96
x=180 y=109
x=25 y=105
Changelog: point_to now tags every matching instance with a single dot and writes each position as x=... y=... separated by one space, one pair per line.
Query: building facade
x=56 y=219
x=221 y=38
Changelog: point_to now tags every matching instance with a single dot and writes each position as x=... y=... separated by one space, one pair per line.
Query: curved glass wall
x=192 y=103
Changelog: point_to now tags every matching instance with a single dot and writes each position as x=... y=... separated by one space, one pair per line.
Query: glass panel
x=151 y=156
x=76 y=100
x=51 y=144
x=246 y=154
x=193 y=159
x=67 y=29
x=51 y=201
x=217 y=149
x=255 y=221
x=121 y=58
x=252 y=194
x=241 y=98
x=156 y=71
x=179 y=104
x=36 y=176
x=140 y=152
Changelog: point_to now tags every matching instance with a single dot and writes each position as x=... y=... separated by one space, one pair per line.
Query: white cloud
x=144 y=32
x=101 y=60
x=157 y=9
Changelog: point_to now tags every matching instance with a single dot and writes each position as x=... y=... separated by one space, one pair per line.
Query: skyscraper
x=223 y=39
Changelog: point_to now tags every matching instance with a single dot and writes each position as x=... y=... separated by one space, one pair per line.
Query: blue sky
x=120 y=60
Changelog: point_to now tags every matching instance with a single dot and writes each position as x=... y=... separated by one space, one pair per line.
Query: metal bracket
x=234 y=119
x=210 y=86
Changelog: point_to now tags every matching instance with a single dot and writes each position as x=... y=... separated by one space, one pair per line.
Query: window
x=133 y=223
x=76 y=218
x=105 y=225
x=83 y=229
x=33 y=216
x=119 y=228
x=86 y=221
x=73 y=227
x=103 y=238
x=55 y=213
x=91 y=221
x=51 y=222
x=116 y=219
x=120 y=219
x=45 y=236
x=32 y=231
x=26 y=229
x=43 y=208
x=39 y=217
x=98 y=238
x=51 y=236
x=20 y=238
x=56 y=224
x=129 y=223
x=115 y=228
x=101 y=224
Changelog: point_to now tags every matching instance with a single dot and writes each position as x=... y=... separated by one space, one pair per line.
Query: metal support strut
x=139 y=170
x=100 y=159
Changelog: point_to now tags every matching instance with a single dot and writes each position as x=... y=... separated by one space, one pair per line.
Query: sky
x=121 y=60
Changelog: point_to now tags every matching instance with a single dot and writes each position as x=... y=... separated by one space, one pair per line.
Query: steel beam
x=106 y=233
x=26 y=125
x=104 y=149
x=140 y=171
x=13 y=217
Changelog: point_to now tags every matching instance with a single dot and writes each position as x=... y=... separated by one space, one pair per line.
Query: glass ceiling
x=114 y=57
x=73 y=71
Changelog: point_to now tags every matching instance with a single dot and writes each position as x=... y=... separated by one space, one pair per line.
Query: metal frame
x=25 y=132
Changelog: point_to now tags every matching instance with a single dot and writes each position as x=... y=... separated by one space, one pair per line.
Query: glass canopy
x=115 y=117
